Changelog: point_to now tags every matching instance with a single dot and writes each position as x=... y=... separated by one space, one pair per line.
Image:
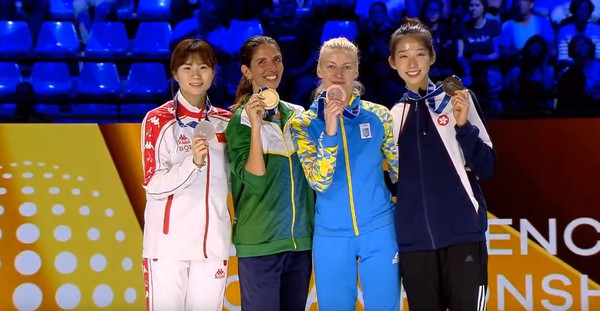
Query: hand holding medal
x=203 y=132
x=335 y=100
x=460 y=99
x=258 y=103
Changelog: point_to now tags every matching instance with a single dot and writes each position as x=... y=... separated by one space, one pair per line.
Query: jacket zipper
x=349 y=178
x=423 y=197
x=293 y=194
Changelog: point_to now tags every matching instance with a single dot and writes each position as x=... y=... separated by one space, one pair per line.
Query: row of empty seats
x=52 y=80
x=146 y=9
x=58 y=39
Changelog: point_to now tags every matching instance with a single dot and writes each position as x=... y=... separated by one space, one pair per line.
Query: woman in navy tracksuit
x=443 y=149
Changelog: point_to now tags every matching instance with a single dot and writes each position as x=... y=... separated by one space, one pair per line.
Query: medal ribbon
x=348 y=113
x=432 y=91
x=192 y=124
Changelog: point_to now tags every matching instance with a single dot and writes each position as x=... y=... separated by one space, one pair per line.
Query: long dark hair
x=244 y=89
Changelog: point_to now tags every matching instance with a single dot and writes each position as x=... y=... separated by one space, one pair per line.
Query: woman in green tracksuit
x=274 y=206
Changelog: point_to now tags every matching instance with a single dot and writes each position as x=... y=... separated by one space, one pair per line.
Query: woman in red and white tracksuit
x=187 y=223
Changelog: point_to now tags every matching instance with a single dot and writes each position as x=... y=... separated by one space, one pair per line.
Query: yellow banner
x=71 y=203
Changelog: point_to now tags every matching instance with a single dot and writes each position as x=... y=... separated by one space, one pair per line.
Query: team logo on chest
x=183 y=143
x=443 y=120
x=365 y=130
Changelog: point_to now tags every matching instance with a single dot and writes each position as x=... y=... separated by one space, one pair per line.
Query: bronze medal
x=452 y=84
x=335 y=94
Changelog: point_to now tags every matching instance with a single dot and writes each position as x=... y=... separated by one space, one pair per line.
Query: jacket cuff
x=328 y=141
x=465 y=129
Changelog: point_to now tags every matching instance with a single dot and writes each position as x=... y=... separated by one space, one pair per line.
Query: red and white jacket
x=186 y=215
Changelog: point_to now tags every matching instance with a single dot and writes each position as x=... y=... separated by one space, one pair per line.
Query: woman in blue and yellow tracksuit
x=342 y=147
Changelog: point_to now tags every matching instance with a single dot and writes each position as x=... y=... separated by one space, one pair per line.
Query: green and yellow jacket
x=273 y=213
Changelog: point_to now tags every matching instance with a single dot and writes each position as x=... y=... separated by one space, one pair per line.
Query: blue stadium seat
x=154 y=9
x=8 y=109
x=15 y=39
x=152 y=40
x=146 y=80
x=362 y=7
x=184 y=27
x=10 y=77
x=108 y=40
x=61 y=10
x=139 y=110
x=51 y=80
x=99 y=80
x=239 y=31
x=334 y=29
x=126 y=10
x=57 y=39
x=93 y=109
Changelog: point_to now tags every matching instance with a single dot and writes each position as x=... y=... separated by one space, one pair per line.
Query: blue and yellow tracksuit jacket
x=354 y=210
x=346 y=169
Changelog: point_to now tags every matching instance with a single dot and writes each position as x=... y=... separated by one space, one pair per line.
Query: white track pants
x=184 y=285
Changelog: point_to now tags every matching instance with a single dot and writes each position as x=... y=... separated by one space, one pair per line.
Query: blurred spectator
x=561 y=10
x=414 y=8
x=521 y=27
x=395 y=8
x=25 y=102
x=445 y=50
x=334 y=9
x=529 y=85
x=479 y=53
x=102 y=10
x=578 y=23
x=373 y=38
x=210 y=26
x=299 y=42
x=497 y=10
x=34 y=12
x=249 y=9
x=579 y=86
x=183 y=9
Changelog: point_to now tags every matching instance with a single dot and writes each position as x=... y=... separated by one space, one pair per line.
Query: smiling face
x=412 y=60
x=266 y=67
x=338 y=66
x=195 y=78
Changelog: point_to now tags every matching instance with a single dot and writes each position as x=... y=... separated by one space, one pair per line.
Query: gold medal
x=270 y=98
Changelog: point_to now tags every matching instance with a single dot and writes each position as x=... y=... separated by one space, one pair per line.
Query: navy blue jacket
x=438 y=199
